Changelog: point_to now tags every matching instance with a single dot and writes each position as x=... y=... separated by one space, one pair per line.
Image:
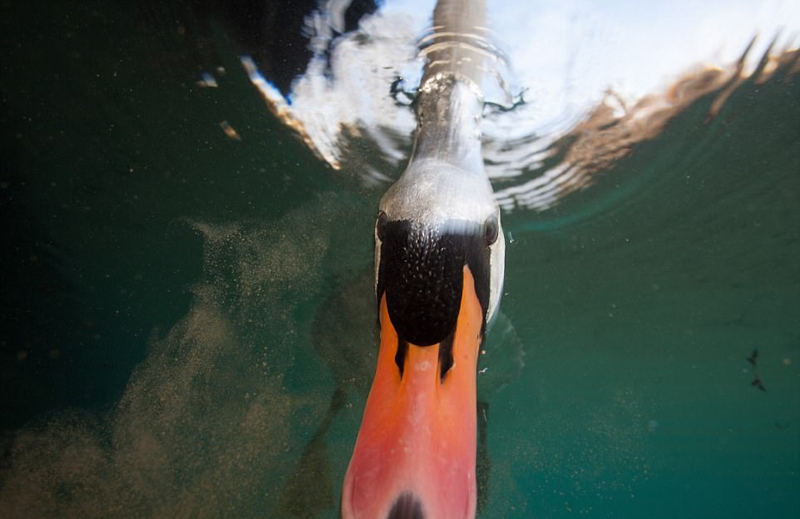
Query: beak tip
x=407 y=506
x=429 y=501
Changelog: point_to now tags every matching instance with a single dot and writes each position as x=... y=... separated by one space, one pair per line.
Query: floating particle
x=207 y=81
x=229 y=131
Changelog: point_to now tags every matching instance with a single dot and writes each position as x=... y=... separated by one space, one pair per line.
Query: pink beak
x=415 y=453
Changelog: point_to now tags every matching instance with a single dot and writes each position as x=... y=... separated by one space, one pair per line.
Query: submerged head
x=439 y=260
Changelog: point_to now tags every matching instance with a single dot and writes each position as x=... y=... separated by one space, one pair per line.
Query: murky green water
x=187 y=319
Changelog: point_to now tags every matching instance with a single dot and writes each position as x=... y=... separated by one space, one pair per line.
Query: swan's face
x=439 y=262
x=435 y=220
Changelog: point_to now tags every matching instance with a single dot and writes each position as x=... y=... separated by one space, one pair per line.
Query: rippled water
x=187 y=323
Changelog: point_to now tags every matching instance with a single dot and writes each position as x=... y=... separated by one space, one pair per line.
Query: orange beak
x=415 y=452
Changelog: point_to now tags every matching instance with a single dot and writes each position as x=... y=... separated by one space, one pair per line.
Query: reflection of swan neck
x=458 y=44
x=450 y=100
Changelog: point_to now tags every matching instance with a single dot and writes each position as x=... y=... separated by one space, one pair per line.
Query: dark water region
x=187 y=318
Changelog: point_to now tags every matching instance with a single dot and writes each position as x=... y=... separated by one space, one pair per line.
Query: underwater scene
x=189 y=192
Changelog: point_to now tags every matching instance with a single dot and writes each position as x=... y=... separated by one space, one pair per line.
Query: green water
x=187 y=323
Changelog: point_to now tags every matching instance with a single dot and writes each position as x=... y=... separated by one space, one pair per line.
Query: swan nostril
x=406 y=507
